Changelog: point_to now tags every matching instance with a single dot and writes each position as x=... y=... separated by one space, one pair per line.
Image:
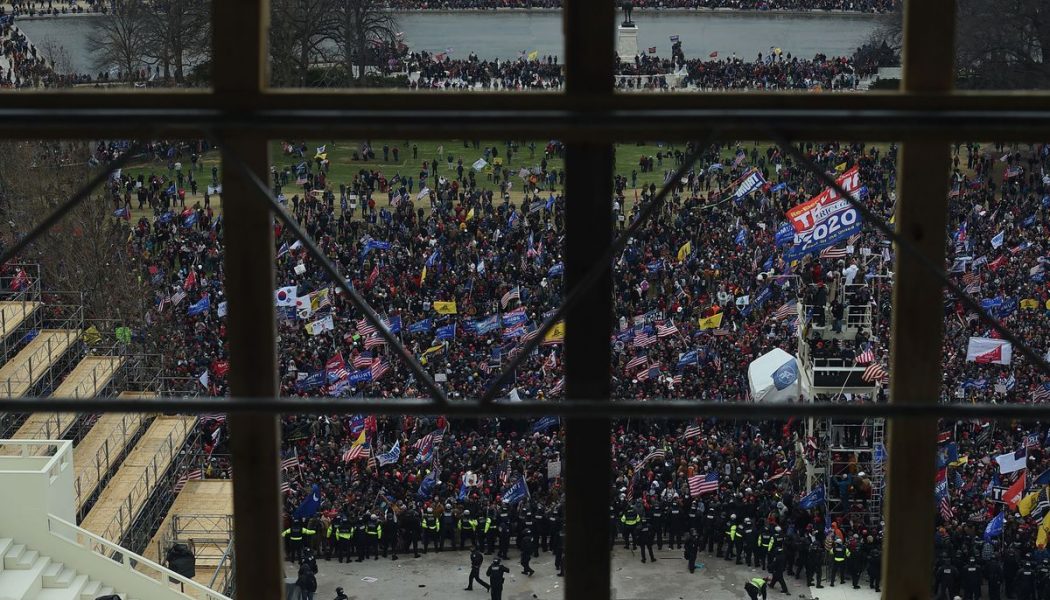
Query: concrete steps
x=26 y=575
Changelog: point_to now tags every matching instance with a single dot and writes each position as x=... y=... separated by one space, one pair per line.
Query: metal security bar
x=590 y=116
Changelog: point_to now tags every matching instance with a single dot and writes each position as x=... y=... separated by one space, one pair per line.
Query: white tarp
x=774 y=377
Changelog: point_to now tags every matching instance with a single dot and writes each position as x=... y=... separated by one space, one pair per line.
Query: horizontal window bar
x=570 y=408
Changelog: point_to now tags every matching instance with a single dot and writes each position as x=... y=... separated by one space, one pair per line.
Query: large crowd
x=868 y=6
x=463 y=263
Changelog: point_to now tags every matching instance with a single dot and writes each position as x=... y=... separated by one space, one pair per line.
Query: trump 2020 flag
x=1012 y=461
x=813 y=498
x=517 y=492
x=427 y=485
x=310 y=505
x=544 y=423
x=391 y=456
x=751 y=182
x=989 y=351
x=198 y=307
x=995 y=527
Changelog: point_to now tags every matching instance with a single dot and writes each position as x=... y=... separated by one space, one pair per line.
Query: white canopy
x=774 y=377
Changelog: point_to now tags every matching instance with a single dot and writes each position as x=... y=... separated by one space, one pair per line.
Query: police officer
x=468 y=526
x=945 y=578
x=691 y=545
x=504 y=537
x=342 y=532
x=339 y=595
x=412 y=524
x=645 y=538
x=814 y=564
x=553 y=528
x=777 y=564
x=629 y=522
x=1042 y=576
x=1024 y=583
x=972 y=577
x=756 y=586
x=475 y=569
x=839 y=554
x=448 y=529
x=528 y=546
x=1010 y=568
x=558 y=548
x=373 y=532
x=294 y=537
x=490 y=529
x=542 y=528
x=676 y=521
x=715 y=534
x=431 y=531
x=731 y=537
x=656 y=524
x=763 y=547
x=746 y=543
x=875 y=567
x=495 y=574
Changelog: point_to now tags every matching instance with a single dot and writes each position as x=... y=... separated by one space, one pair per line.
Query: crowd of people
x=463 y=265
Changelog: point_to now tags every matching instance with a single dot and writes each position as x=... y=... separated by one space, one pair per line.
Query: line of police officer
x=975 y=565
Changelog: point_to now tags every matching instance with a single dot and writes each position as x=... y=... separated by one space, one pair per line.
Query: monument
x=627 y=34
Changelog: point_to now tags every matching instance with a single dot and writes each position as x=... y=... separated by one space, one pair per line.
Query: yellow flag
x=840 y=167
x=321 y=156
x=556 y=334
x=958 y=463
x=92 y=336
x=445 y=308
x=1027 y=503
x=535 y=54
x=713 y=322
x=360 y=439
x=319 y=299
x=1044 y=532
x=470 y=214
x=1029 y=304
x=423 y=275
x=431 y=350
x=684 y=251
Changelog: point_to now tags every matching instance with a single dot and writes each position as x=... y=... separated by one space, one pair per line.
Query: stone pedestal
x=627 y=42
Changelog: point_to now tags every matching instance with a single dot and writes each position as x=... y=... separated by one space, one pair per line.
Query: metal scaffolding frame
x=926 y=115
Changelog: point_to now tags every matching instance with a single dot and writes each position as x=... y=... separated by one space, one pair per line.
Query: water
x=505 y=35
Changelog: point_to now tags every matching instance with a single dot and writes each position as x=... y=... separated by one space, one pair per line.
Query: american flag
x=286 y=488
x=424 y=441
x=529 y=335
x=181 y=483
x=513 y=294
x=666 y=330
x=946 y=508
x=558 y=387
x=1041 y=393
x=374 y=341
x=379 y=368
x=703 y=484
x=874 y=372
x=970 y=278
x=290 y=463
x=720 y=332
x=654 y=455
x=364 y=327
x=691 y=431
x=355 y=452
x=677 y=379
x=635 y=362
x=833 y=253
x=866 y=357
x=217 y=417
x=984 y=432
x=778 y=475
x=363 y=360
x=789 y=309
x=853 y=239
x=644 y=339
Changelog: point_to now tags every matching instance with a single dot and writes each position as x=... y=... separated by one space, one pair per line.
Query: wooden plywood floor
x=13 y=314
x=111 y=431
x=21 y=372
x=122 y=486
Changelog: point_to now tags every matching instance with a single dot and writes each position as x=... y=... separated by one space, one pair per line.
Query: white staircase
x=47 y=557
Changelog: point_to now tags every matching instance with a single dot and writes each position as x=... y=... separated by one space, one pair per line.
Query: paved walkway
x=443 y=577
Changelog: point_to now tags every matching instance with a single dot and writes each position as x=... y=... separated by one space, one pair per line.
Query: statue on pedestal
x=627 y=7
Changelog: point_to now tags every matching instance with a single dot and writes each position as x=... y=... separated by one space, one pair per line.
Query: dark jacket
x=495 y=574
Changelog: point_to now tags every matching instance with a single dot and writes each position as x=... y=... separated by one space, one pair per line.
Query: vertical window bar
x=918 y=318
x=589 y=58
x=240 y=67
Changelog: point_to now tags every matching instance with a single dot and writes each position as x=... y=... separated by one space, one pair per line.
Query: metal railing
x=134 y=563
x=152 y=473
x=113 y=448
x=210 y=537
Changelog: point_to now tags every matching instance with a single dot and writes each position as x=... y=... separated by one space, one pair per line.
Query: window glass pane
x=1002 y=50
x=436 y=488
x=92 y=44
x=716 y=284
x=365 y=44
x=740 y=49
x=744 y=499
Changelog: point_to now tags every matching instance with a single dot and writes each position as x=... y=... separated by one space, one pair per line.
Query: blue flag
x=813 y=498
x=426 y=487
x=447 y=332
x=421 y=326
x=310 y=505
x=432 y=259
x=556 y=270
x=688 y=358
x=394 y=325
x=995 y=527
x=786 y=374
x=741 y=237
x=360 y=376
x=517 y=492
x=165 y=218
x=391 y=456
x=371 y=245
x=784 y=235
x=311 y=381
x=199 y=307
x=880 y=453
x=1043 y=479
x=544 y=423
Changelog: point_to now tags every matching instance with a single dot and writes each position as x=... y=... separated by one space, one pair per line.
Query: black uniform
x=993 y=572
x=528 y=546
x=944 y=580
x=814 y=564
x=972 y=578
x=691 y=551
x=558 y=548
x=475 y=569
x=676 y=521
x=777 y=564
x=1024 y=583
x=875 y=569
x=495 y=575
x=645 y=539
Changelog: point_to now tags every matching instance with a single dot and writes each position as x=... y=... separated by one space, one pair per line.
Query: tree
x=360 y=26
x=299 y=32
x=120 y=39
x=176 y=31
x=999 y=44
